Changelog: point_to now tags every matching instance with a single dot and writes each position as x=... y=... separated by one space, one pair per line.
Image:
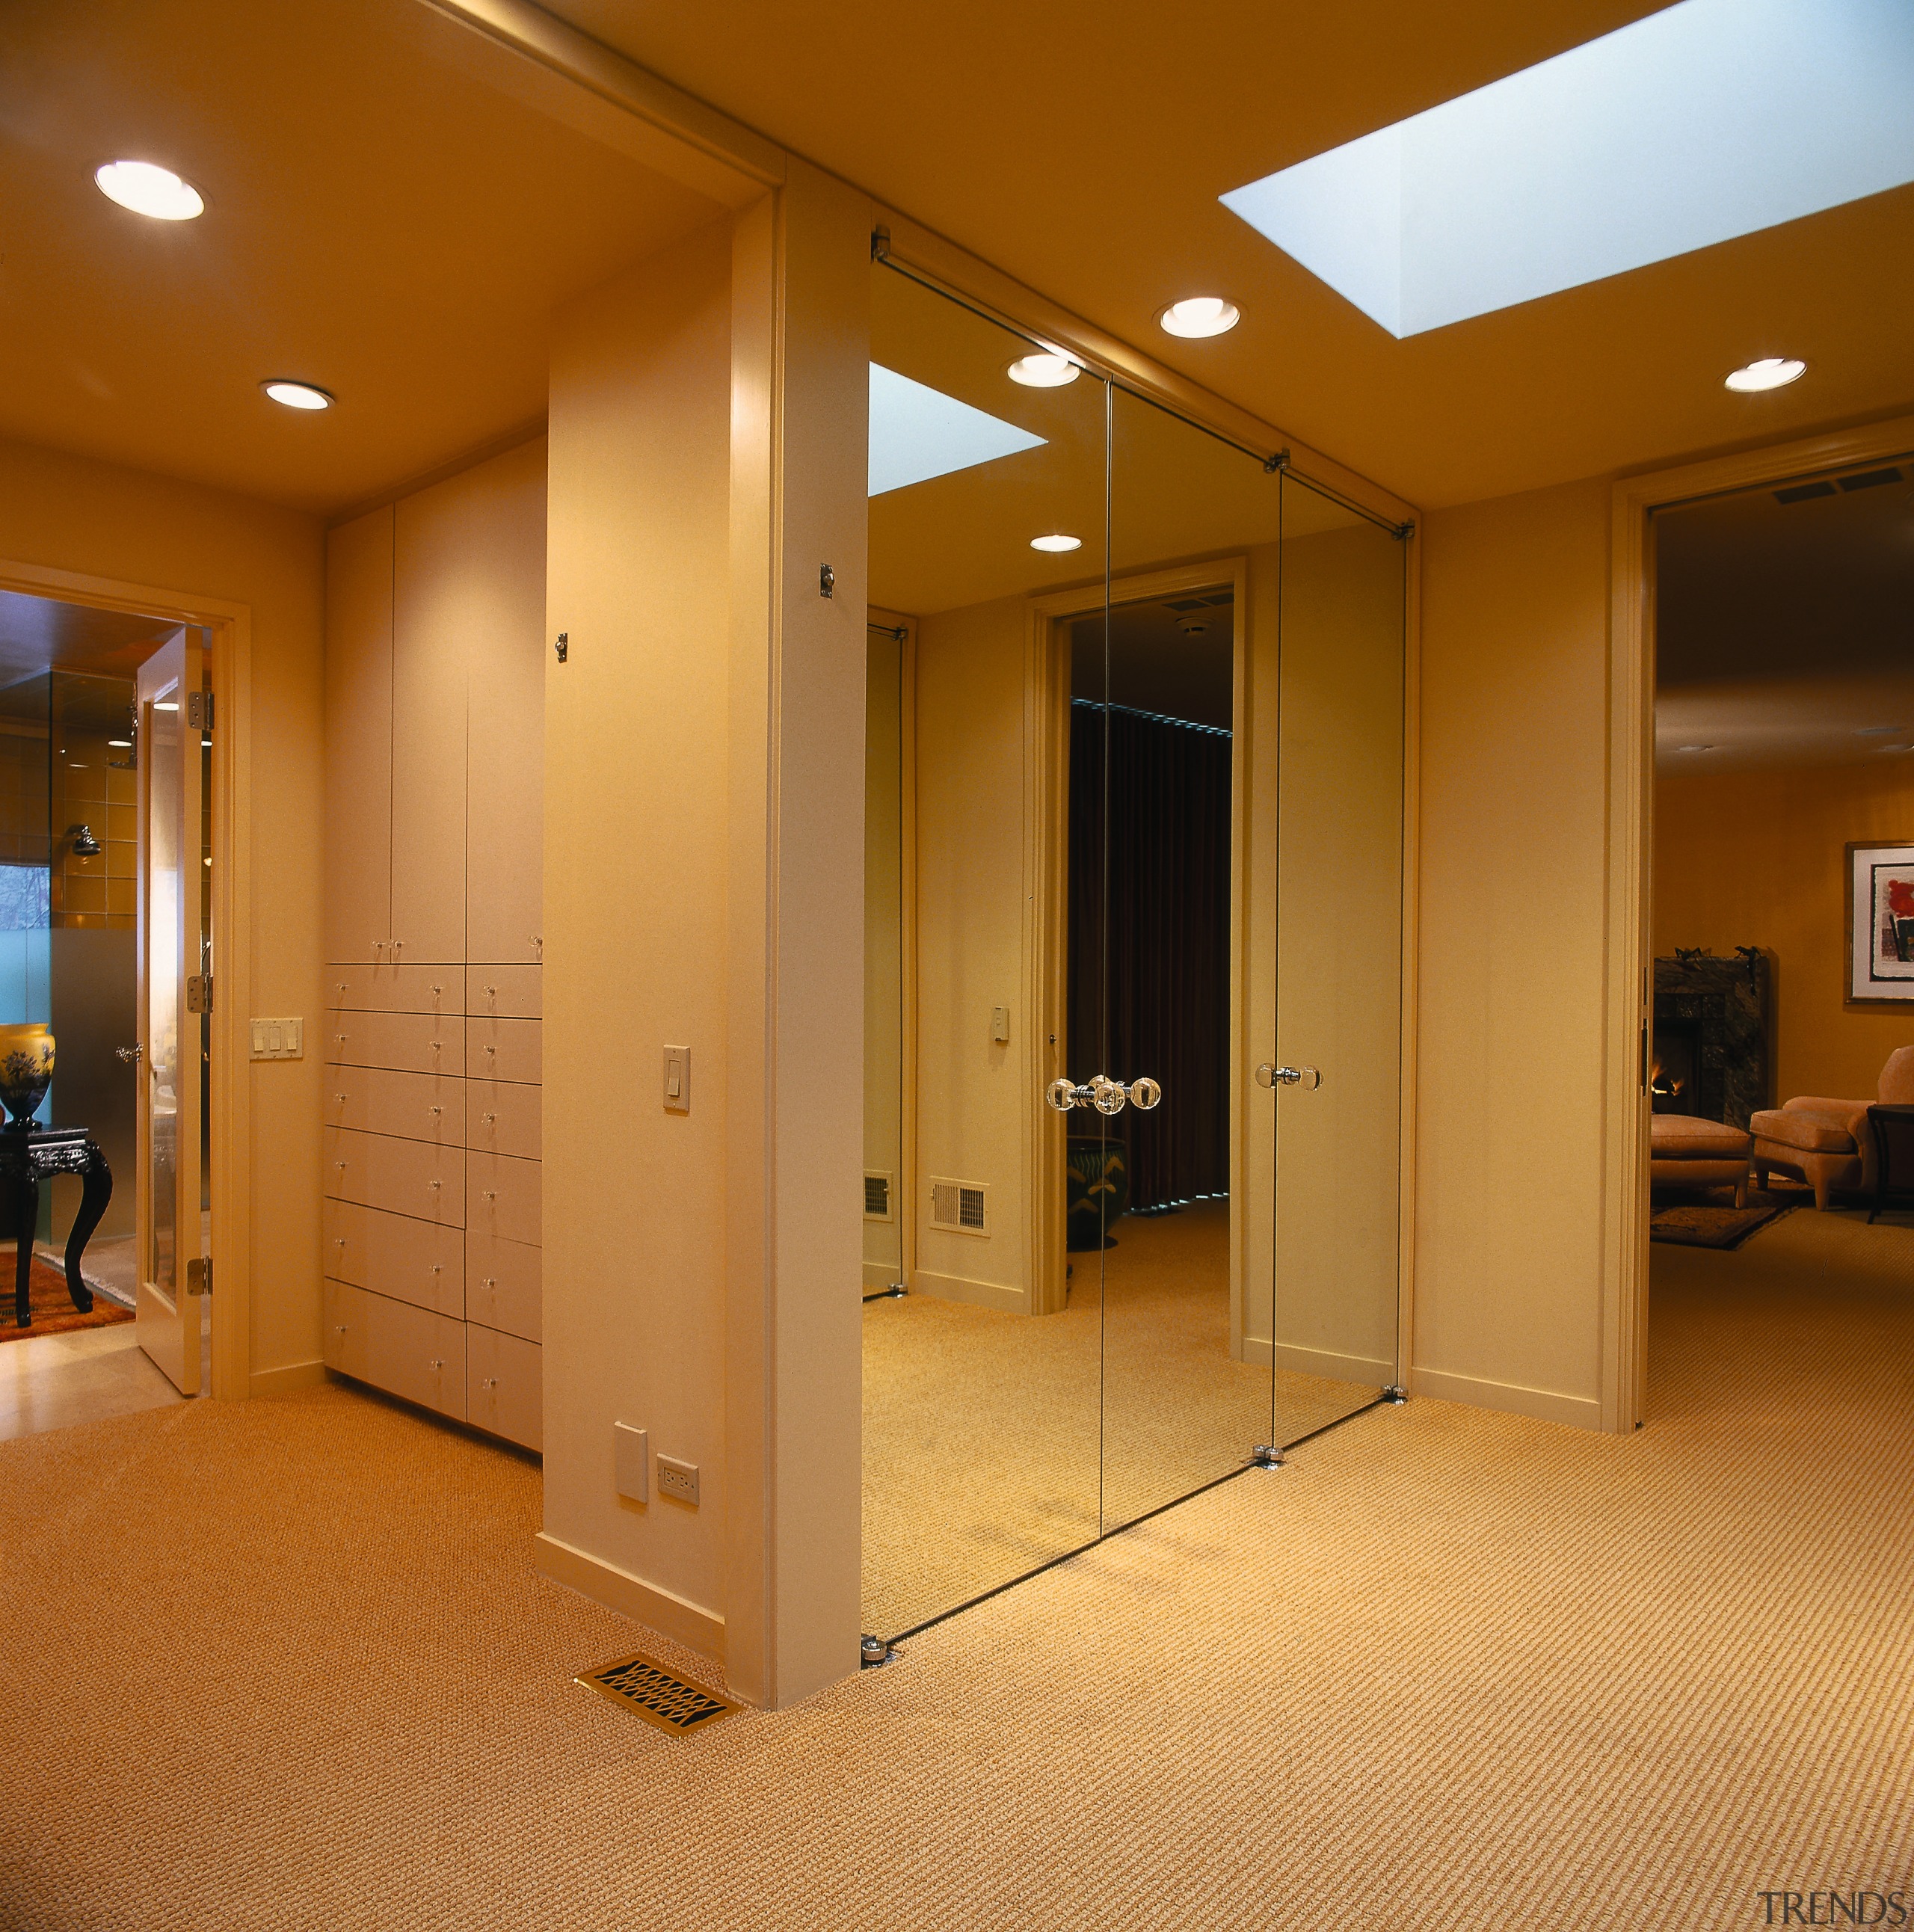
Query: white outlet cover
x=678 y=1480
x=632 y=1453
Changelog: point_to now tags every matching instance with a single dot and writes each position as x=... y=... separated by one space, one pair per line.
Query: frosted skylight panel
x=1711 y=119
x=917 y=432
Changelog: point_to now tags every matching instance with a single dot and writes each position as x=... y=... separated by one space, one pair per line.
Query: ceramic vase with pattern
x=26 y=1071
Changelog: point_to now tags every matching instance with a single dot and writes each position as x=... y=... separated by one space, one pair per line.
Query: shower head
x=85 y=845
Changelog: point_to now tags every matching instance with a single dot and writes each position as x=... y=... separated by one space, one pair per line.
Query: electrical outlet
x=631 y=1451
x=677 y=1480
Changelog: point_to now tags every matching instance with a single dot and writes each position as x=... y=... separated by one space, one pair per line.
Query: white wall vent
x=960 y=1206
x=877 y=1196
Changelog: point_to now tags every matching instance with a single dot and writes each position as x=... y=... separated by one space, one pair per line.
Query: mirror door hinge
x=200 y=710
x=199 y=993
x=199 y=1276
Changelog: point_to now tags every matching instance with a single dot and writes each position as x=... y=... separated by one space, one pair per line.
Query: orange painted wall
x=1755 y=859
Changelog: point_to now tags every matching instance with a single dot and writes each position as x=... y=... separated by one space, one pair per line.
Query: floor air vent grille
x=659 y=1696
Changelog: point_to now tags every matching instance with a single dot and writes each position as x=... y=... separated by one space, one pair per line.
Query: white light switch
x=677 y=1080
x=279 y=1040
x=1000 y=1024
x=631 y=1448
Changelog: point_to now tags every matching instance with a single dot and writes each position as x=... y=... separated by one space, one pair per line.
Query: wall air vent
x=1870 y=479
x=1800 y=493
x=648 y=1690
x=959 y=1205
x=877 y=1196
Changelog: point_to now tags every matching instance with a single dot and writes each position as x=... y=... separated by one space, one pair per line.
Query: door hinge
x=199 y=1276
x=200 y=710
x=199 y=993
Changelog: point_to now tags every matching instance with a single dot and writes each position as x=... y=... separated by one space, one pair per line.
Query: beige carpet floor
x=284 y=1665
x=993 y=1442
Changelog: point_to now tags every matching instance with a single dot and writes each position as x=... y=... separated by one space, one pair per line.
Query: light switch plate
x=631 y=1448
x=677 y=1080
x=278 y=1039
x=677 y=1480
x=1000 y=1024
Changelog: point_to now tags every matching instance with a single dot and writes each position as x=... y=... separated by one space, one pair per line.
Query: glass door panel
x=981 y=1382
x=1194 y=529
x=1337 y=958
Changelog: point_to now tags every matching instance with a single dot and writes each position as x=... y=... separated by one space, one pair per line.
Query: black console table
x=1893 y=1130
x=29 y=1155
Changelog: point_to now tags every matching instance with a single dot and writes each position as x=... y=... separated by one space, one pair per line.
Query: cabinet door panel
x=437 y=990
x=358 y=738
x=501 y=1117
x=419 y=1261
x=504 y=1197
x=438 y=602
x=505 y=670
x=504 y=1050
x=502 y=1286
x=408 y=1106
x=504 y=992
x=410 y=1043
x=505 y=1386
x=399 y=1176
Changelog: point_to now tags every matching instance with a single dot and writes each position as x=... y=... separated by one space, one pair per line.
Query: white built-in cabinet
x=434 y=689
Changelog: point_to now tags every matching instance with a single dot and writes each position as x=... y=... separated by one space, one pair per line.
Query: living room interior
x=1334 y=1530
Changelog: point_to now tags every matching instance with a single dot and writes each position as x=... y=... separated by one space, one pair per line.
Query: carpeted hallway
x=284 y=1665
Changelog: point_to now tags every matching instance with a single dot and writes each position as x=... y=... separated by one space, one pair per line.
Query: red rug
x=53 y=1311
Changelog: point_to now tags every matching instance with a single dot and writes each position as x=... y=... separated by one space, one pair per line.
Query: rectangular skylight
x=917 y=432
x=1710 y=119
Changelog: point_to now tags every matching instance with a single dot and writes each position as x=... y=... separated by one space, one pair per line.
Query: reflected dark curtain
x=1164 y=1008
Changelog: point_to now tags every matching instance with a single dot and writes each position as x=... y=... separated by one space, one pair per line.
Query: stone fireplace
x=1710 y=1053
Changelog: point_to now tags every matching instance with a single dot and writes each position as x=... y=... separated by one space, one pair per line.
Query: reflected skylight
x=917 y=432
x=1710 y=119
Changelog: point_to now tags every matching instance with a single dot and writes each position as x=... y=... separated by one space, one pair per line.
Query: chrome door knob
x=130 y=1054
x=1106 y=1095
x=1307 y=1077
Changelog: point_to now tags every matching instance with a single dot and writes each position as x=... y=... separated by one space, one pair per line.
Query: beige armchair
x=1826 y=1142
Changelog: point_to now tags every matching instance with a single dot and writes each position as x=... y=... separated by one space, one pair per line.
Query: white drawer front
x=498 y=1049
x=420 y=1261
x=402 y=1177
x=505 y=1386
x=410 y=1106
x=408 y=1351
x=502 y=1118
x=502 y=1199
x=504 y=992
x=395 y=989
x=502 y=1286
x=410 y=1043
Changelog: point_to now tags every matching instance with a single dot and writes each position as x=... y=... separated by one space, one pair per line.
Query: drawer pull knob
x=491 y=1117
x=340 y=1098
x=437 y=1362
x=340 y=1165
x=436 y=991
x=437 y=1112
x=490 y=1281
x=340 y=1242
x=491 y=1194
x=491 y=1381
x=435 y=1185
x=491 y=1049
x=438 y=1267
x=338 y=1327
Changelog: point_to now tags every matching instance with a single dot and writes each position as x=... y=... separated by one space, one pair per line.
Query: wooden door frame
x=1629 y=1004
x=1046 y=887
x=229 y=628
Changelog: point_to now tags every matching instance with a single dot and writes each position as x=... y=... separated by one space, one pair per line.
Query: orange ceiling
x=380 y=220
x=1081 y=147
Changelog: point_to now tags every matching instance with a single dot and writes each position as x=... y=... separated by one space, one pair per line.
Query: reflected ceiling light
x=1879 y=730
x=149 y=191
x=120 y=744
x=1056 y=541
x=298 y=395
x=1200 y=315
x=1771 y=372
x=164 y=704
x=1044 y=369
x=1694 y=748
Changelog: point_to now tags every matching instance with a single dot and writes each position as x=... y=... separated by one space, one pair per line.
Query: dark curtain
x=1154 y=997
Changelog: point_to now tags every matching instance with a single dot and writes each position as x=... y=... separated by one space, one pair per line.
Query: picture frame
x=1880 y=925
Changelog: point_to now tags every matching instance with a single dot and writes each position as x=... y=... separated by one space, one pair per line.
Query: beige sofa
x=1826 y=1142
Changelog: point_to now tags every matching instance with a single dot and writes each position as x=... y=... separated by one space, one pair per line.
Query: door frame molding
x=1046 y=887
x=229 y=652
x=1628 y=1002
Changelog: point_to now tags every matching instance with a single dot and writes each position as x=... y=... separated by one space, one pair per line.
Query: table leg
x=26 y=1206
x=96 y=1189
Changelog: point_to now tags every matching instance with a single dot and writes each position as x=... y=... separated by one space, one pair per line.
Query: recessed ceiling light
x=1058 y=542
x=165 y=704
x=1694 y=748
x=120 y=744
x=1043 y=370
x=297 y=395
x=1771 y=372
x=1200 y=315
x=149 y=191
x=1879 y=730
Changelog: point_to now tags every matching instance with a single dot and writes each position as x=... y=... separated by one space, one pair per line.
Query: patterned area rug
x=53 y=1311
x=1709 y=1219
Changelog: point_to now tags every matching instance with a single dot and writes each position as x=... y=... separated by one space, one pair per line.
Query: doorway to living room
x=1779 y=1020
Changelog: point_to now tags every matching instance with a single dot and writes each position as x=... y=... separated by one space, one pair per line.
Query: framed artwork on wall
x=1880 y=925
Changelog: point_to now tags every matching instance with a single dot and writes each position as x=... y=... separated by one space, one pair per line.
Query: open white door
x=171 y=995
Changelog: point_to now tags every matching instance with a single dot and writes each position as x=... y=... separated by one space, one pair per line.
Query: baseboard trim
x=978 y=1294
x=1579 y=1412
x=1328 y=1366
x=288 y=1380
x=684 y=1622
